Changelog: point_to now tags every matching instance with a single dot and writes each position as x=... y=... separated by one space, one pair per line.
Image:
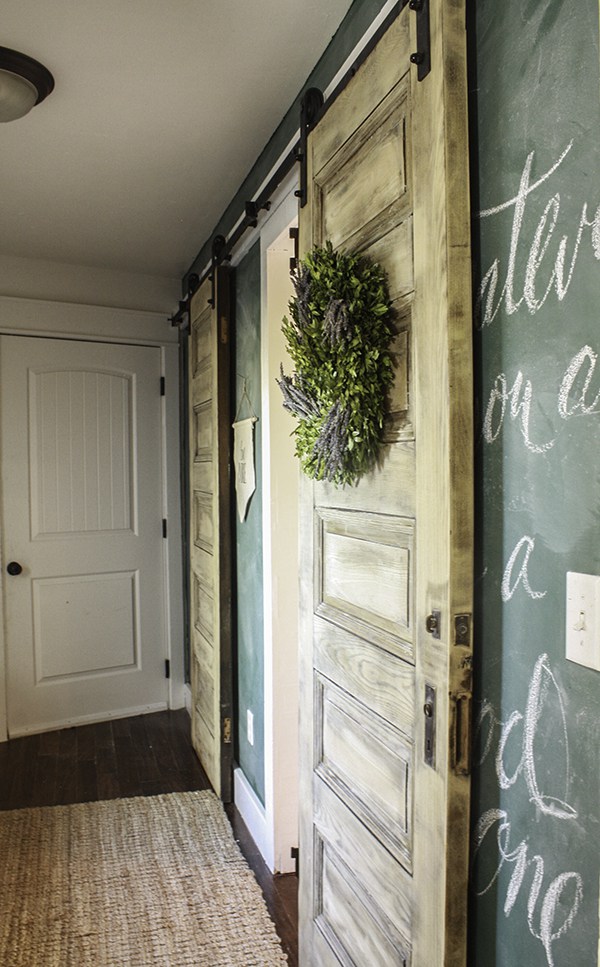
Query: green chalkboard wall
x=248 y=533
x=536 y=163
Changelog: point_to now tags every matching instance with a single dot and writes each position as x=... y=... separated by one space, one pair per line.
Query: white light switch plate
x=583 y=619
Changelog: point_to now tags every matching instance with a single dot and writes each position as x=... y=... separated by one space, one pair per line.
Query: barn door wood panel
x=210 y=530
x=384 y=834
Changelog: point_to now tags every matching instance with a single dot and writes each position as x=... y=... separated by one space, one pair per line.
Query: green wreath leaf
x=338 y=335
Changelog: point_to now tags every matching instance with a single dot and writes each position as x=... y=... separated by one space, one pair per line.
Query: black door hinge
x=167 y=668
x=164 y=527
x=162 y=385
x=295 y=854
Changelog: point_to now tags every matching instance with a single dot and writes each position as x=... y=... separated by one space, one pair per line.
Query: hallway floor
x=142 y=756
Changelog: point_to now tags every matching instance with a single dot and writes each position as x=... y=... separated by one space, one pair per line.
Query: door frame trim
x=47 y=319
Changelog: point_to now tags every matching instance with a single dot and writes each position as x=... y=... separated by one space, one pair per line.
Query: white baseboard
x=122 y=713
x=252 y=812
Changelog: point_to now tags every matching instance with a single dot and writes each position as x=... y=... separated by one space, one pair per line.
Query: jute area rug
x=130 y=883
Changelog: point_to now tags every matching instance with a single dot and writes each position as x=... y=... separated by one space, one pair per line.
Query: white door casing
x=82 y=509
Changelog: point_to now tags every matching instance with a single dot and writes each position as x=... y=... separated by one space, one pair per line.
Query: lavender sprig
x=331 y=444
x=302 y=286
x=336 y=322
x=296 y=399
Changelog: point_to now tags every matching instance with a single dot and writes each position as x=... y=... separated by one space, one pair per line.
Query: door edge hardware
x=461 y=733
x=433 y=624
x=422 y=56
x=429 y=738
x=462 y=629
x=227 y=729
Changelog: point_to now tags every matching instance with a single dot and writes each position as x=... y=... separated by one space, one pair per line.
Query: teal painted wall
x=248 y=534
x=536 y=160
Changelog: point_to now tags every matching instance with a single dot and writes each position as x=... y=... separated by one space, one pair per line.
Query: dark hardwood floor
x=141 y=756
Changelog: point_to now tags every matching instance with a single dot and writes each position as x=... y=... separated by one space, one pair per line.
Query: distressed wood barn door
x=210 y=530
x=386 y=566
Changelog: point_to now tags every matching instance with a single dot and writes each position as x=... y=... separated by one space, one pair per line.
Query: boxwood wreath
x=338 y=337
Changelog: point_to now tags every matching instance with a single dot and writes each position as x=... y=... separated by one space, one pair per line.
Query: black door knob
x=14 y=568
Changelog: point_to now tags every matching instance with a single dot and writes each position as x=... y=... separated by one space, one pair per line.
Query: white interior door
x=82 y=516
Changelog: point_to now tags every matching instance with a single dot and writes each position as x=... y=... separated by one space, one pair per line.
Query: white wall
x=86 y=285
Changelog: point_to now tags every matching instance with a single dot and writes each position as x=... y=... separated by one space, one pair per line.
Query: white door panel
x=82 y=512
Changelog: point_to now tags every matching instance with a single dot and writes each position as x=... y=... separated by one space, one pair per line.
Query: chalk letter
x=552 y=901
x=565 y=408
x=508 y=586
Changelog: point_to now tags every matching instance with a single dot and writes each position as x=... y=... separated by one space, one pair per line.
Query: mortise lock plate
x=429 y=714
x=433 y=624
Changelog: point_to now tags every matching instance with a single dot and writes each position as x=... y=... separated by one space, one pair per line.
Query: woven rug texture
x=145 y=882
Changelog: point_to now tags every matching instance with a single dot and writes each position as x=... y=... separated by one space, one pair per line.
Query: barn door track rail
x=313 y=107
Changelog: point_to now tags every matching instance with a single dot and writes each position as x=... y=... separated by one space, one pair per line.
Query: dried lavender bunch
x=332 y=443
x=295 y=397
x=337 y=323
x=301 y=280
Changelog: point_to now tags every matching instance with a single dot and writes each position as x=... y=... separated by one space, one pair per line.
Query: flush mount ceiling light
x=23 y=83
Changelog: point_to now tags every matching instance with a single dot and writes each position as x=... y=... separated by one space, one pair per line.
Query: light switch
x=583 y=619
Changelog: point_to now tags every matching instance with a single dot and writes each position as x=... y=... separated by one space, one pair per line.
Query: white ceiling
x=159 y=111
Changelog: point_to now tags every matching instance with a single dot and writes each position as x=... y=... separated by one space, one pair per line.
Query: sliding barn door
x=210 y=530
x=386 y=565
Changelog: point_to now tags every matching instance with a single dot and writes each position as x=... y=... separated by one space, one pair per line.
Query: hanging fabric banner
x=243 y=459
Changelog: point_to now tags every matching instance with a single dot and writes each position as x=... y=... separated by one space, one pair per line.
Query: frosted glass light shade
x=17 y=96
x=23 y=83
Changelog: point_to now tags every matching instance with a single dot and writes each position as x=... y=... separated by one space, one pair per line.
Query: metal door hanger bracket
x=422 y=55
x=310 y=109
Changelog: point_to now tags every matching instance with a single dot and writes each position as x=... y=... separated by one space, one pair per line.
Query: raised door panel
x=82 y=452
x=107 y=640
x=364 y=575
x=368 y=764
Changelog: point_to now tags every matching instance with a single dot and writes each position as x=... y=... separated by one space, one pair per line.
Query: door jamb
x=263 y=821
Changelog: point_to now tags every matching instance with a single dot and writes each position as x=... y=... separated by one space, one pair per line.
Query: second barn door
x=210 y=530
x=386 y=565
